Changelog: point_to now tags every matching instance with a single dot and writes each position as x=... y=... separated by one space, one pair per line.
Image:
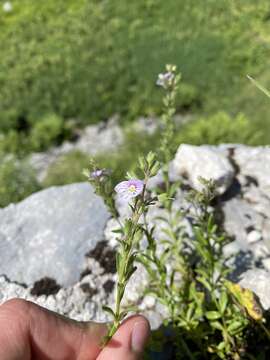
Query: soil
x=46 y=286
x=87 y=289
x=108 y=286
x=105 y=255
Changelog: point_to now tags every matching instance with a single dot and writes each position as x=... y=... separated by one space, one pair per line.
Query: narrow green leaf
x=204 y=282
x=108 y=310
x=217 y=325
x=223 y=301
x=259 y=86
x=235 y=326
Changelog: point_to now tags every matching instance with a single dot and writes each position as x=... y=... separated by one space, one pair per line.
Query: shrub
x=220 y=128
x=11 y=142
x=46 y=132
x=17 y=180
x=67 y=169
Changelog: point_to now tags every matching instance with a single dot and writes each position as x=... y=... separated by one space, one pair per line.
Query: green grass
x=68 y=169
x=17 y=181
x=69 y=63
x=89 y=59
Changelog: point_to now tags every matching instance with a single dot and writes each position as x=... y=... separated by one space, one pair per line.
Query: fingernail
x=139 y=337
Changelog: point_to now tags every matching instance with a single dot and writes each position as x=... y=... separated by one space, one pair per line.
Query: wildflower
x=165 y=79
x=99 y=174
x=96 y=174
x=7 y=6
x=129 y=189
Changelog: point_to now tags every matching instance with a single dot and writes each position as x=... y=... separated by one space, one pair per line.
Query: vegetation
x=122 y=46
x=47 y=90
x=209 y=317
x=17 y=181
x=220 y=128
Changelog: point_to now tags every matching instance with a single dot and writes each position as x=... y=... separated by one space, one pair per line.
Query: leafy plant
x=46 y=132
x=209 y=317
x=220 y=128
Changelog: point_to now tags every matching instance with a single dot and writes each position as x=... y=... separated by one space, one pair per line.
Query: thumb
x=129 y=340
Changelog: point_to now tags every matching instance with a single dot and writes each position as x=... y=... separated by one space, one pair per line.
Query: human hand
x=30 y=332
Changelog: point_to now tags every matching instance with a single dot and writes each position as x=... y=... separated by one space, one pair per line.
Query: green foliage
x=220 y=128
x=83 y=59
x=11 y=142
x=17 y=180
x=130 y=230
x=126 y=157
x=209 y=317
x=46 y=132
x=67 y=169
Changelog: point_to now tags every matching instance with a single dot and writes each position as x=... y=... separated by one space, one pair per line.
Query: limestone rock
x=49 y=233
x=254 y=163
x=240 y=218
x=204 y=161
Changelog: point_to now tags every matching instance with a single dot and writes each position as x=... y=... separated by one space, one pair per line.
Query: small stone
x=149 y=301
x=254 y=236
x=260 y=250
x=266 y=263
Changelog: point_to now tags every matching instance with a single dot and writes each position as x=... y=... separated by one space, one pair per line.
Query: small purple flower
x=97 y=174
x=165 y=79
x=129 y=189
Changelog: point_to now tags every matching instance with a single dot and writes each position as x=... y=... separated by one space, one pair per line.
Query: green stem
x=267 y=332
x=186 y=349
x=122 y=281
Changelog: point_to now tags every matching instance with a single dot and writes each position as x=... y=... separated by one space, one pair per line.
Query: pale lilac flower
x=165 y=79
x=97 y=174
x=129 y=189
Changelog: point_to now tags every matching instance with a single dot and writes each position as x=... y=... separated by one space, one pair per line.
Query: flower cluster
x=99 y=174
x=167 y=79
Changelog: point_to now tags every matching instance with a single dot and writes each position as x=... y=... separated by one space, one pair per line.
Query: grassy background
x=68 y=63
x=89 y=59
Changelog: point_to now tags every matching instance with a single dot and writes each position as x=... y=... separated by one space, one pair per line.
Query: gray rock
x=49 y=233
x=204 y=161
x=100 y=138
x=259 y=201
x=254 y=162
x=239 y=218
x=254 y=236
x=73 y=301
x=257 y=280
